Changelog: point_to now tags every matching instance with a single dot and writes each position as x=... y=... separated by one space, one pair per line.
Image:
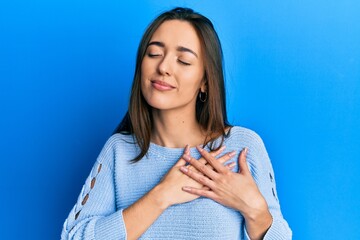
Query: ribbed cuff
x=278 y=231
x=111 y=227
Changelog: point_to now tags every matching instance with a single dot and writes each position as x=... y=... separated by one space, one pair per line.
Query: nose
x=164 y=66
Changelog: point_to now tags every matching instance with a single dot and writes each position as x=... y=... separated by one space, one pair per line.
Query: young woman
x=176 y=169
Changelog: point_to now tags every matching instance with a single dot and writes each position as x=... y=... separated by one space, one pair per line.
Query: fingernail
x=199 y=148
x=187 y=149
x=231 y=165
x=186 y=157
x=231 y=154
x=245 y=150
x=186 y=188
x=184 y=169
x=222 y=148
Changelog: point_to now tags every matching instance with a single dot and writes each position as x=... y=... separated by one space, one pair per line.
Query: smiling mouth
x=161 y=86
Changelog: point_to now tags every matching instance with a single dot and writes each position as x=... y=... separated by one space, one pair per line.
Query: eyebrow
x=179 y=48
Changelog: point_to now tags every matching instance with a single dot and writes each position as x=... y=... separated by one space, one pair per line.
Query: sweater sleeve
x=94 y=215
x=262 y=171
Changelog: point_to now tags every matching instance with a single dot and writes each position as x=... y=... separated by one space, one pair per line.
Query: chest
x=201 y=218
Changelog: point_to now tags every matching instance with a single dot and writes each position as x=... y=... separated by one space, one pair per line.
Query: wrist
x=159 y=198
x=258 y=220
x=256 y=209
x=263 y=218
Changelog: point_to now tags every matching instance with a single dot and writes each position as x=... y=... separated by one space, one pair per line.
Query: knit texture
x=114 y=184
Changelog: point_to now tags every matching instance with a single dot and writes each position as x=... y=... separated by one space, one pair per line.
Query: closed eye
x=154 y=54
x=184 y=63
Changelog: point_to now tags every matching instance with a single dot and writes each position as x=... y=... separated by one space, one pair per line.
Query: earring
x=203 y=96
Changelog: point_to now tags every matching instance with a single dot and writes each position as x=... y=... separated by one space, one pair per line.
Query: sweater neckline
x=164 y=151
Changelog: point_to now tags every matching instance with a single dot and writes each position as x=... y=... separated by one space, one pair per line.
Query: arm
x=263 y=174
x=95 y=215
x=250 y=191
x=168 y=192
x=140 y=215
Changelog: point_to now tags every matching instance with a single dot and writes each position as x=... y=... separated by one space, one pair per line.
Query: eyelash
x=184 y=63
x=157 y=55
x=153 y=55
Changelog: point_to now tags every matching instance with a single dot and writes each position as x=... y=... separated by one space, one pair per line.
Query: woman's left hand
x=236 y=190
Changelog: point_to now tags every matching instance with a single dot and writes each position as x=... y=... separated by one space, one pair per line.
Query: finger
x=205 y=188
x=181 y=161
x=204 y=180
x=203 y=169
x=214 y=154
x=212 y=161
x=217 y=152
x=187 y=149
x=226 y=157
x=198 y=167
x=200 y=192
x=222 y=159
x=243 y=167
x=231 y=165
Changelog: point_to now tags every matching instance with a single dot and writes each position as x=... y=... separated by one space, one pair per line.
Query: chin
x=160 y=105
x=159 y=102
x=162 y=102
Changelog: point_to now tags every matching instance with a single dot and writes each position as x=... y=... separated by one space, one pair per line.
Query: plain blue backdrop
x=292 y=75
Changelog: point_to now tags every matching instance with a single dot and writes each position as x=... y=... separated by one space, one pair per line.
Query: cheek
x=148 y=66
x=144 y=68
x=192 y=79
x=144 y=87
x=145 y=73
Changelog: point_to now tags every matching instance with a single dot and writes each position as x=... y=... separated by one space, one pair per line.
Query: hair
x=211 y=114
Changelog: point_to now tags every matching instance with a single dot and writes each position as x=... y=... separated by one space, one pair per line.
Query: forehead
x=177 y=33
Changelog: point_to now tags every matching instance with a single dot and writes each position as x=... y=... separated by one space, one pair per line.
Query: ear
x=203 y=86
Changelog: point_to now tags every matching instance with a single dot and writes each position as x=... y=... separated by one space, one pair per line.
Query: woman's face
x=172 y=69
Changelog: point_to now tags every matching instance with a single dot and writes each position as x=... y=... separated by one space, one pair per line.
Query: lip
x=161 y=85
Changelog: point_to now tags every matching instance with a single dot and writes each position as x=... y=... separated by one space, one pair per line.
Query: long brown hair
x=210 y=114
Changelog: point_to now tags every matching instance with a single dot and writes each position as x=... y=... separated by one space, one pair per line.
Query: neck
x=176 y=129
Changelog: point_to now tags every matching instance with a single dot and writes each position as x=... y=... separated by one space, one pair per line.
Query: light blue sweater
x=114 y=184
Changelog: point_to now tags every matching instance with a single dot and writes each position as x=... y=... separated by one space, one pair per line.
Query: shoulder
x=241 y=137
x=119 y=139
x=116 y=143
x=246 y=136
x=257 y=158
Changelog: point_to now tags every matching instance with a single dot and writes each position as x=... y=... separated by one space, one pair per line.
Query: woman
x=166 y=173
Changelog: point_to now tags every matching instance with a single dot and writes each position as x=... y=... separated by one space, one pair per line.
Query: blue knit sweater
x=114 y=184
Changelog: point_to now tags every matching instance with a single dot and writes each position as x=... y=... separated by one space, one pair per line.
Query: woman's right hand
x=170 y=187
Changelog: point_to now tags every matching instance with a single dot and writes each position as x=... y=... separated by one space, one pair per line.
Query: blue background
x=292 y=75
